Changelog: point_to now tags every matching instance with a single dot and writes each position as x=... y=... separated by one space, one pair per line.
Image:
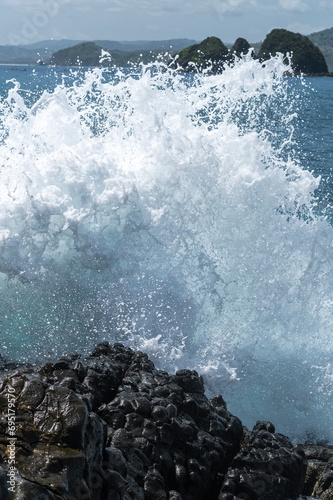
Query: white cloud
x=34 y=4
x=294 y=5
x=231 y=6
x=29 y=20
x=304 y=29
x=326 y=4
x=160 y=7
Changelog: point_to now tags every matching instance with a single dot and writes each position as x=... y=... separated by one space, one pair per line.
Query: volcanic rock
x=113 y=427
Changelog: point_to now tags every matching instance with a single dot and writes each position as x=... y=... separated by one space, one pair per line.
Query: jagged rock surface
x=112 y=427
x=319 y=473
x=267 y=467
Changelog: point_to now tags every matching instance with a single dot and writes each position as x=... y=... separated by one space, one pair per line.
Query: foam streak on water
x=168 y=212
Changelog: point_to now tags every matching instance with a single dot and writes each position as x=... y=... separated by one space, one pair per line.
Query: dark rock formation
x=209 y=55
x=267 y=467
x=319 y=473
x=306 y=57
x=112 y=427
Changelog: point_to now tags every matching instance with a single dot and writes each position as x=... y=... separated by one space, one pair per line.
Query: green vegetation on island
x=208 y=55
x=87 y=54
x=311 y=55
x=90 y=54
x=324 y=40
x=212 y=54
x=305 y=56
x=241 y=46
x=42 y=51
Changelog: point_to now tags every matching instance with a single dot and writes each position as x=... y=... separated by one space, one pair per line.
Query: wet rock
x=267 y=467
x=122 y=439
x=174 y=495
x=32 y=394
x=142 y=406
x=150 y=430
x=115 y=460
x=5 y=494
x=189 y=381
x=62 y=415
x=154 y=486
x=160 y=415
x=62 y=364
x=112 y=427
x=319 y=472
x=79 y=370
x=27 y=490
x=61 y=467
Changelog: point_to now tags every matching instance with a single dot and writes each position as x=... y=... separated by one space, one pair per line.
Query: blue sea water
x=189 y=216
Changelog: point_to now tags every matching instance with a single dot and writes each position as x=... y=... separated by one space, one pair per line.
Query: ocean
x=188 y=216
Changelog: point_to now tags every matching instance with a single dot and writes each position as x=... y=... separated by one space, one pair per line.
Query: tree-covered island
x=210 y=55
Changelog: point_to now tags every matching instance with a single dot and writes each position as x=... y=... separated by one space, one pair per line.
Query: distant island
x=306 y=57
x=42 y=52
x=91 y=54
x=310 y=55
x=210 y=55
x=324 y=40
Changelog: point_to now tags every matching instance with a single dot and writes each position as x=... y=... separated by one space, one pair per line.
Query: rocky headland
x=112 y=427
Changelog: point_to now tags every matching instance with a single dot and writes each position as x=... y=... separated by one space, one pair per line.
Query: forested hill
x=306 y=57
x=210 y=55
x=324 y=40
x=90 y=54
x=43 y=51
x=132 y=51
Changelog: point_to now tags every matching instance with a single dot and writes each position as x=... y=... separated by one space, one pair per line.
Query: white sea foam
x=168 y=211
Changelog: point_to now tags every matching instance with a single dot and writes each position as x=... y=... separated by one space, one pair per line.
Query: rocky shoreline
x=113 y=427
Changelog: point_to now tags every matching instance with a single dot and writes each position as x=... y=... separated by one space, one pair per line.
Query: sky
x=28 y=21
